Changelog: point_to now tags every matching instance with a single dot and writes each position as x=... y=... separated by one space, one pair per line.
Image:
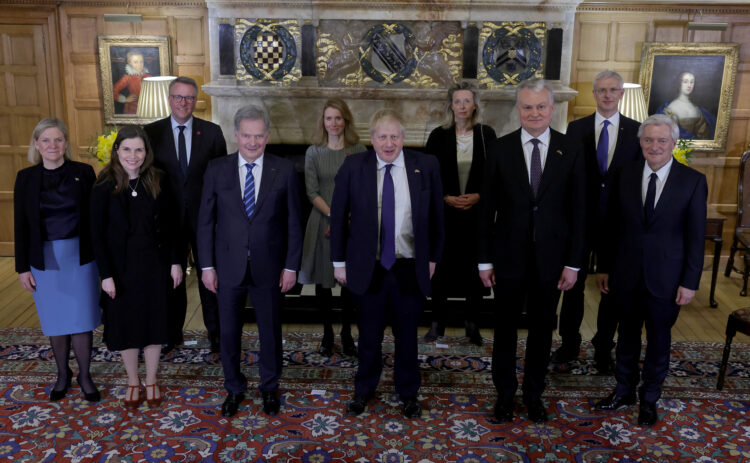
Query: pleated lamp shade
x=633 y=103
x=153 y=102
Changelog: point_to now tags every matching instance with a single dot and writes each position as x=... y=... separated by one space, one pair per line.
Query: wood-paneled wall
x=49 y=66
x=611 y=37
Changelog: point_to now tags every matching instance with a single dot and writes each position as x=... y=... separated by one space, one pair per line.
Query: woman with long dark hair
x=54 y=259
x=134 y=228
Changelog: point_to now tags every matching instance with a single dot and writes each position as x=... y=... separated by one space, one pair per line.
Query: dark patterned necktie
x=536 y=166
x=388 y=221
x=249 y=195
x=602 y=148
x=182 y=151
x=648 y=207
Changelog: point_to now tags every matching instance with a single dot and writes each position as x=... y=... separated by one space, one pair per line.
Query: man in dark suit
x=609 y=141
x=250 y=240
x=387 y=234
x=531 y=241
x=183 y=145
x=653 y=263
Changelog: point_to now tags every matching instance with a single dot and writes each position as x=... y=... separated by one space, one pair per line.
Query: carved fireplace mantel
x=295 y=101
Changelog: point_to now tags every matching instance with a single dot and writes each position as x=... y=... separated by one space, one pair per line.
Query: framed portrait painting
x=124 y=61
x=693 y=83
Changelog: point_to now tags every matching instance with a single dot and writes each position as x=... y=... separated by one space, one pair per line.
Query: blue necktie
x=648 y=207
x=535 y=170
x=388 y=221
x=602 y=148
x=182 y=151
x=249 y=196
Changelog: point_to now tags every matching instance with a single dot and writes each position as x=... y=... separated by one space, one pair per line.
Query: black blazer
x=27 y=217
x=207 y=142
x=110 y=224
x=354 y=217
x=512 y=221
x=273 y=237
x=442 y=144
x=667 y=252
x=627 y=149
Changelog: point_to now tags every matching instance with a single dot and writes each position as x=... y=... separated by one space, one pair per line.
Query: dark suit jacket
x=27 y=218
x=207 y=143
x=668 y=251
x=110 y=219
x=512 y=223
x=273 y=236
x=355 y=200
x=442 y=144
x=627 y=149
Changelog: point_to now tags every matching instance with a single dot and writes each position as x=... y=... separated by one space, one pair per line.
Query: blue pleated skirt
x=67 y=293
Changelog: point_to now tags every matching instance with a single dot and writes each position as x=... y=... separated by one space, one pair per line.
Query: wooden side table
x=714 y=228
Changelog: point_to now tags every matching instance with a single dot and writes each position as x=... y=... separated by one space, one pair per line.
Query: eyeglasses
x=186 y=99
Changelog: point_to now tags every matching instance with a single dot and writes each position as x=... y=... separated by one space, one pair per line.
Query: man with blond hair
x=387 y=234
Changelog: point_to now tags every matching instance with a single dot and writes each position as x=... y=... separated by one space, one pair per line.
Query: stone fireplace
x=401 y=54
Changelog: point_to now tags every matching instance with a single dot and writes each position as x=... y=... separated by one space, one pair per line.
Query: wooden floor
x=697 y=321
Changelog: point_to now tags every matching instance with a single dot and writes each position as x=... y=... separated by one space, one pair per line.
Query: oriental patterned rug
x=697 y=422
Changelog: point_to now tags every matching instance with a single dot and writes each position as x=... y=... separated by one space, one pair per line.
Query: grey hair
x=48 y=123
x=184 y=80
x=386 y=114
x=536 y=85
x=661 y=119
x=253 y=113
x=606 y=75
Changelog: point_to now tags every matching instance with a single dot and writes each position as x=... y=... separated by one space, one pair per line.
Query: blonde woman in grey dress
x=334 y=139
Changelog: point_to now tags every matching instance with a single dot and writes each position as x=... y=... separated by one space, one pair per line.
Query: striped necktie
x=249 y=196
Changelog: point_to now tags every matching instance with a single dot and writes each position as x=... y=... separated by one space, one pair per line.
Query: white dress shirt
x=404 y=228
x=612 y=131
x=187 y=131
x=661 y=179
x=257 y=174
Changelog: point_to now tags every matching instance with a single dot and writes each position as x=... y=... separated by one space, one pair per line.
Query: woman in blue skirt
x=54 y=257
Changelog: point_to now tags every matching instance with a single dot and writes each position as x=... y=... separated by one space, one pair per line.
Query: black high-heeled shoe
x=347 y=345
x=326 y=345
x=89 y=396
x=55 y=395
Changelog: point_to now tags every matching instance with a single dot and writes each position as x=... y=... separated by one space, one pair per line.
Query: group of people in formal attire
x=523 y=213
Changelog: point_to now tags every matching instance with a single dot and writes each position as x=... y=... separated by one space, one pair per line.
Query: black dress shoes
x=411 y=408
x=348 y=346
x=648 y=415
x=231 y=404
x=271 y=403
x=565 y=353
x=537 y=412
x=615 y=402
x=167 y=348
x=94 y=396
x=357 y=405
x=436 y=330
x=504 y=410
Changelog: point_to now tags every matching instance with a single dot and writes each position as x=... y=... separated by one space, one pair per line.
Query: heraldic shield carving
x=511 y=53
x=389 y=54
x=268 y=51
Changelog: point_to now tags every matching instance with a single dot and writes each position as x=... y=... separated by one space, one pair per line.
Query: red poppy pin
x=197 y=133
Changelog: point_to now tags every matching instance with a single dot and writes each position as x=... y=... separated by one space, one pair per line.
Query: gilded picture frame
x=694 y=84
x=124 y=60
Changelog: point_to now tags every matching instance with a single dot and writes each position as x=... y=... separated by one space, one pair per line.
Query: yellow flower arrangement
x=102 y=150
x=683 y=151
